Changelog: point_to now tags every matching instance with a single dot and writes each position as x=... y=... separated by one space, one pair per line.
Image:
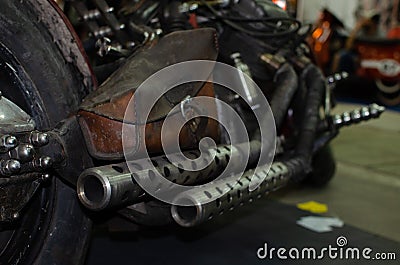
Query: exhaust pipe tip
x=187 y=216
x=94 y=191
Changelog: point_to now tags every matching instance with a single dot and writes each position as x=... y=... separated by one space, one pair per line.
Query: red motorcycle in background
x=378 y=58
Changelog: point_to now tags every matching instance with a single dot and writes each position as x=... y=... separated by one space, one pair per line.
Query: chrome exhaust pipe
x=106 y=187
x=238 y=195
x=372 y=111
x=113 y=185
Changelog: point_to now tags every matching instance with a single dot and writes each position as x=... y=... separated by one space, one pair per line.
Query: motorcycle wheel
x=324 y=168
x=35 y=75
x=388 y=93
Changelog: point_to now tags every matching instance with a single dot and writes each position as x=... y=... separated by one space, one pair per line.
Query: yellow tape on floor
x=314 y=207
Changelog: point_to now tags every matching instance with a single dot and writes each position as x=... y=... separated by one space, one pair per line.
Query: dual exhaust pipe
x=109 y=187
x=113 y=186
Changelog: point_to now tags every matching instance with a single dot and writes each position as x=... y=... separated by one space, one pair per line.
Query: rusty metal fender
x=101 y=115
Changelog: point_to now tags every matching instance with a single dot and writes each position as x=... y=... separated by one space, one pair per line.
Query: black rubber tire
x=53 y=228
x=389 y=100
x=388 y=93
x=324 y=168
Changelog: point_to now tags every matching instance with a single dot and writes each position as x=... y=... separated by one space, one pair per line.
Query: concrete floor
x=365 y=192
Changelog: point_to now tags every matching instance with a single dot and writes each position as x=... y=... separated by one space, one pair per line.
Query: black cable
x=230 y=22
x=264 y=20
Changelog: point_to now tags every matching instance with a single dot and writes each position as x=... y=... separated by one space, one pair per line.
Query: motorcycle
x=378 y=60
x=73 y=151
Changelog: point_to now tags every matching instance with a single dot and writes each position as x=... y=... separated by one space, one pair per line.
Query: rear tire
x=36 y=75
x=324 y=168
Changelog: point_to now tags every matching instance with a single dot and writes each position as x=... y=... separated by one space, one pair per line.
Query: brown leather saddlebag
x=101 y=115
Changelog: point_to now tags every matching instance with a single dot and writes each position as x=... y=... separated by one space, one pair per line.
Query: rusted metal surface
x=101 y=116
x=104 y=135
x=66 y=39
x=200 y=44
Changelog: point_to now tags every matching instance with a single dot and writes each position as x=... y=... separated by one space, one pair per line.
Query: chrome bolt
x=44 y=162
x=365 y=113
x=376 y=110
x=39 y=139
x=356 y=115
x=7 y=142
x=11 y=141
x=380 y=109
x=13 y=165
x=46 y=177
x=331 y=80
x=338 y=77
x=91 y=14
x=338 y=120
x=346 y=118
x=25 y=152
x=10 y=167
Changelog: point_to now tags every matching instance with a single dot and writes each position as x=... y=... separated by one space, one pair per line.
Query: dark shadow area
x=359 y=90
x=231 y=239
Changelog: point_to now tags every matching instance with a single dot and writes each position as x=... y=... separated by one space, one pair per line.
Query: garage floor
x=365 y=194
x=234 y=239
x=366 y=189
